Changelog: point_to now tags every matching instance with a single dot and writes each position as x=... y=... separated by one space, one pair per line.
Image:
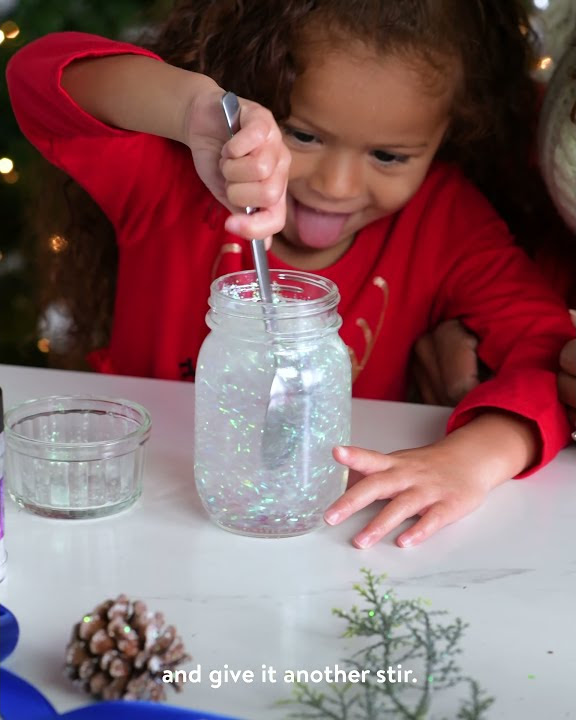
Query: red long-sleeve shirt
x=446 y=254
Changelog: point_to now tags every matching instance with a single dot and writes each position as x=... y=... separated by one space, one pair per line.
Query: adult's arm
x=520 y=322
x=567 y=377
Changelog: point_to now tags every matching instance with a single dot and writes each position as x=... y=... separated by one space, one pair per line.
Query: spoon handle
x=262 y=270
x=231 y=108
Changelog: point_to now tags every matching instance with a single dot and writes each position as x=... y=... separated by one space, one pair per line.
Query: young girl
x=378 y=100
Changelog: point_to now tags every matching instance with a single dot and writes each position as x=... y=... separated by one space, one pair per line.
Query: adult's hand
x=567 y=376
x=445 y=364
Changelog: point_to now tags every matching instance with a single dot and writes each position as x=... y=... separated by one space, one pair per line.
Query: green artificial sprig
x=402 y=634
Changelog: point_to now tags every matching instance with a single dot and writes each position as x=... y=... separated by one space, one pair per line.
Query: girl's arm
x=140 y=93
x=441 y=482
x=79 y=98
x=135 y=92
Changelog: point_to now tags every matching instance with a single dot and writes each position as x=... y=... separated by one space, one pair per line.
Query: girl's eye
x=387 y=158
x=300 y=136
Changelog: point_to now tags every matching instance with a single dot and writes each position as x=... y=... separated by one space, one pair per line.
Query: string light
x=6 y=165
x=43 y=345
x=57 y=243
x=10 y=30
x=11 y=177
x=2 y=37
x=545 y=63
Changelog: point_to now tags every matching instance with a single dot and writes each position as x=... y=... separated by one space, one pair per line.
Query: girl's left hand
x=434 y=482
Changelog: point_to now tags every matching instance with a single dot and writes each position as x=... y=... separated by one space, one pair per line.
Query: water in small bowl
x=76 y=457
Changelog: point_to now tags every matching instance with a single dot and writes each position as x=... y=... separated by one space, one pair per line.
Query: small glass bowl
x=76 y=456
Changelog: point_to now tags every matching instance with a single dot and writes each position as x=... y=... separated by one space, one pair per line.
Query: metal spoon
x=231 y=108
x=280 y=435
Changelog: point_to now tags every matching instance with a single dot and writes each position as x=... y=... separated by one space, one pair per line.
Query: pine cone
x=120 y=651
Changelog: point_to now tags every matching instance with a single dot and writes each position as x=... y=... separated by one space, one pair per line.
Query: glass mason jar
x=273 y=397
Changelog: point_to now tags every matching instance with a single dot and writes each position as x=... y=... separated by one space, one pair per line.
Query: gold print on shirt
x=370 y=337
x=234 y=248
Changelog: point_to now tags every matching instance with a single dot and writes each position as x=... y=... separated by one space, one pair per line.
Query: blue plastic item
x=19 y=700
x=127 y=710
x=9 y=632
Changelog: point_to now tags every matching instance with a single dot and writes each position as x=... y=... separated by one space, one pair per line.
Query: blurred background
x=26 y=336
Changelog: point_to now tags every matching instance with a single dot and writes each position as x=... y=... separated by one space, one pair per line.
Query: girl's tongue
x=318 y=229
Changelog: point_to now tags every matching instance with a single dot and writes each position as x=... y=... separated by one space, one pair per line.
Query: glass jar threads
x=273 y=397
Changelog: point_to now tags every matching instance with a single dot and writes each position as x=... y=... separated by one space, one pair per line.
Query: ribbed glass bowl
x=76 y=456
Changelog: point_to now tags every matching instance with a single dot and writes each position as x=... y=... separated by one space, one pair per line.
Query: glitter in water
x=239 y=490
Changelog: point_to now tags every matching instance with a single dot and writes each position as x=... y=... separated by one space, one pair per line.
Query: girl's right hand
x=248 y=170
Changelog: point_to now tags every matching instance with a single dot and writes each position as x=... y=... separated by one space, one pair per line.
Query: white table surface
x=509 y=570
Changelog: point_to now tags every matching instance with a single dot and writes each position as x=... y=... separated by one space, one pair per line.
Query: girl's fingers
x=254 y=132
x=255 y=167
x=363 y=461
x=263 y=224
x=262 y=195
x=254 y=164
x=354 y=477
x=362 y=494
x=435 y=518
x=402 y=507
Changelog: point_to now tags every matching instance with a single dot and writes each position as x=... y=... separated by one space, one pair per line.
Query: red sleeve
x=520 y=340
x=120 y=169
x=558 y=263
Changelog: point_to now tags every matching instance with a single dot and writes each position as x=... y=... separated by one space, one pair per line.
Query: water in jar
x=250 y=481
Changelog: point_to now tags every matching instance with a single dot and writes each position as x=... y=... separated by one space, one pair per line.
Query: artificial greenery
x=398 y=632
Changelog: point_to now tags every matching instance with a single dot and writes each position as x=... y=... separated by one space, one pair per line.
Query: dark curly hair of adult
x=249 y=46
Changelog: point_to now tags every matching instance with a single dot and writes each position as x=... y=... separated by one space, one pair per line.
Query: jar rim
x=74 y=403
x=238 y=294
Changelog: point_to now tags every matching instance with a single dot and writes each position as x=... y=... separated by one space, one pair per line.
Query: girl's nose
x=337 y=175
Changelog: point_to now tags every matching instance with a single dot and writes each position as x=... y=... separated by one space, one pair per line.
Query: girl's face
x=363 y=132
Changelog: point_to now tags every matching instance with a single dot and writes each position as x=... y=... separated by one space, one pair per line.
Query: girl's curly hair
x=249 y=46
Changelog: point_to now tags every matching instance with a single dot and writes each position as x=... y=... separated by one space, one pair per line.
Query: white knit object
x=556 y=24
x=557 y=142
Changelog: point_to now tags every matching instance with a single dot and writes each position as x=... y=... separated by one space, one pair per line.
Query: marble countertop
x=508 y=570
